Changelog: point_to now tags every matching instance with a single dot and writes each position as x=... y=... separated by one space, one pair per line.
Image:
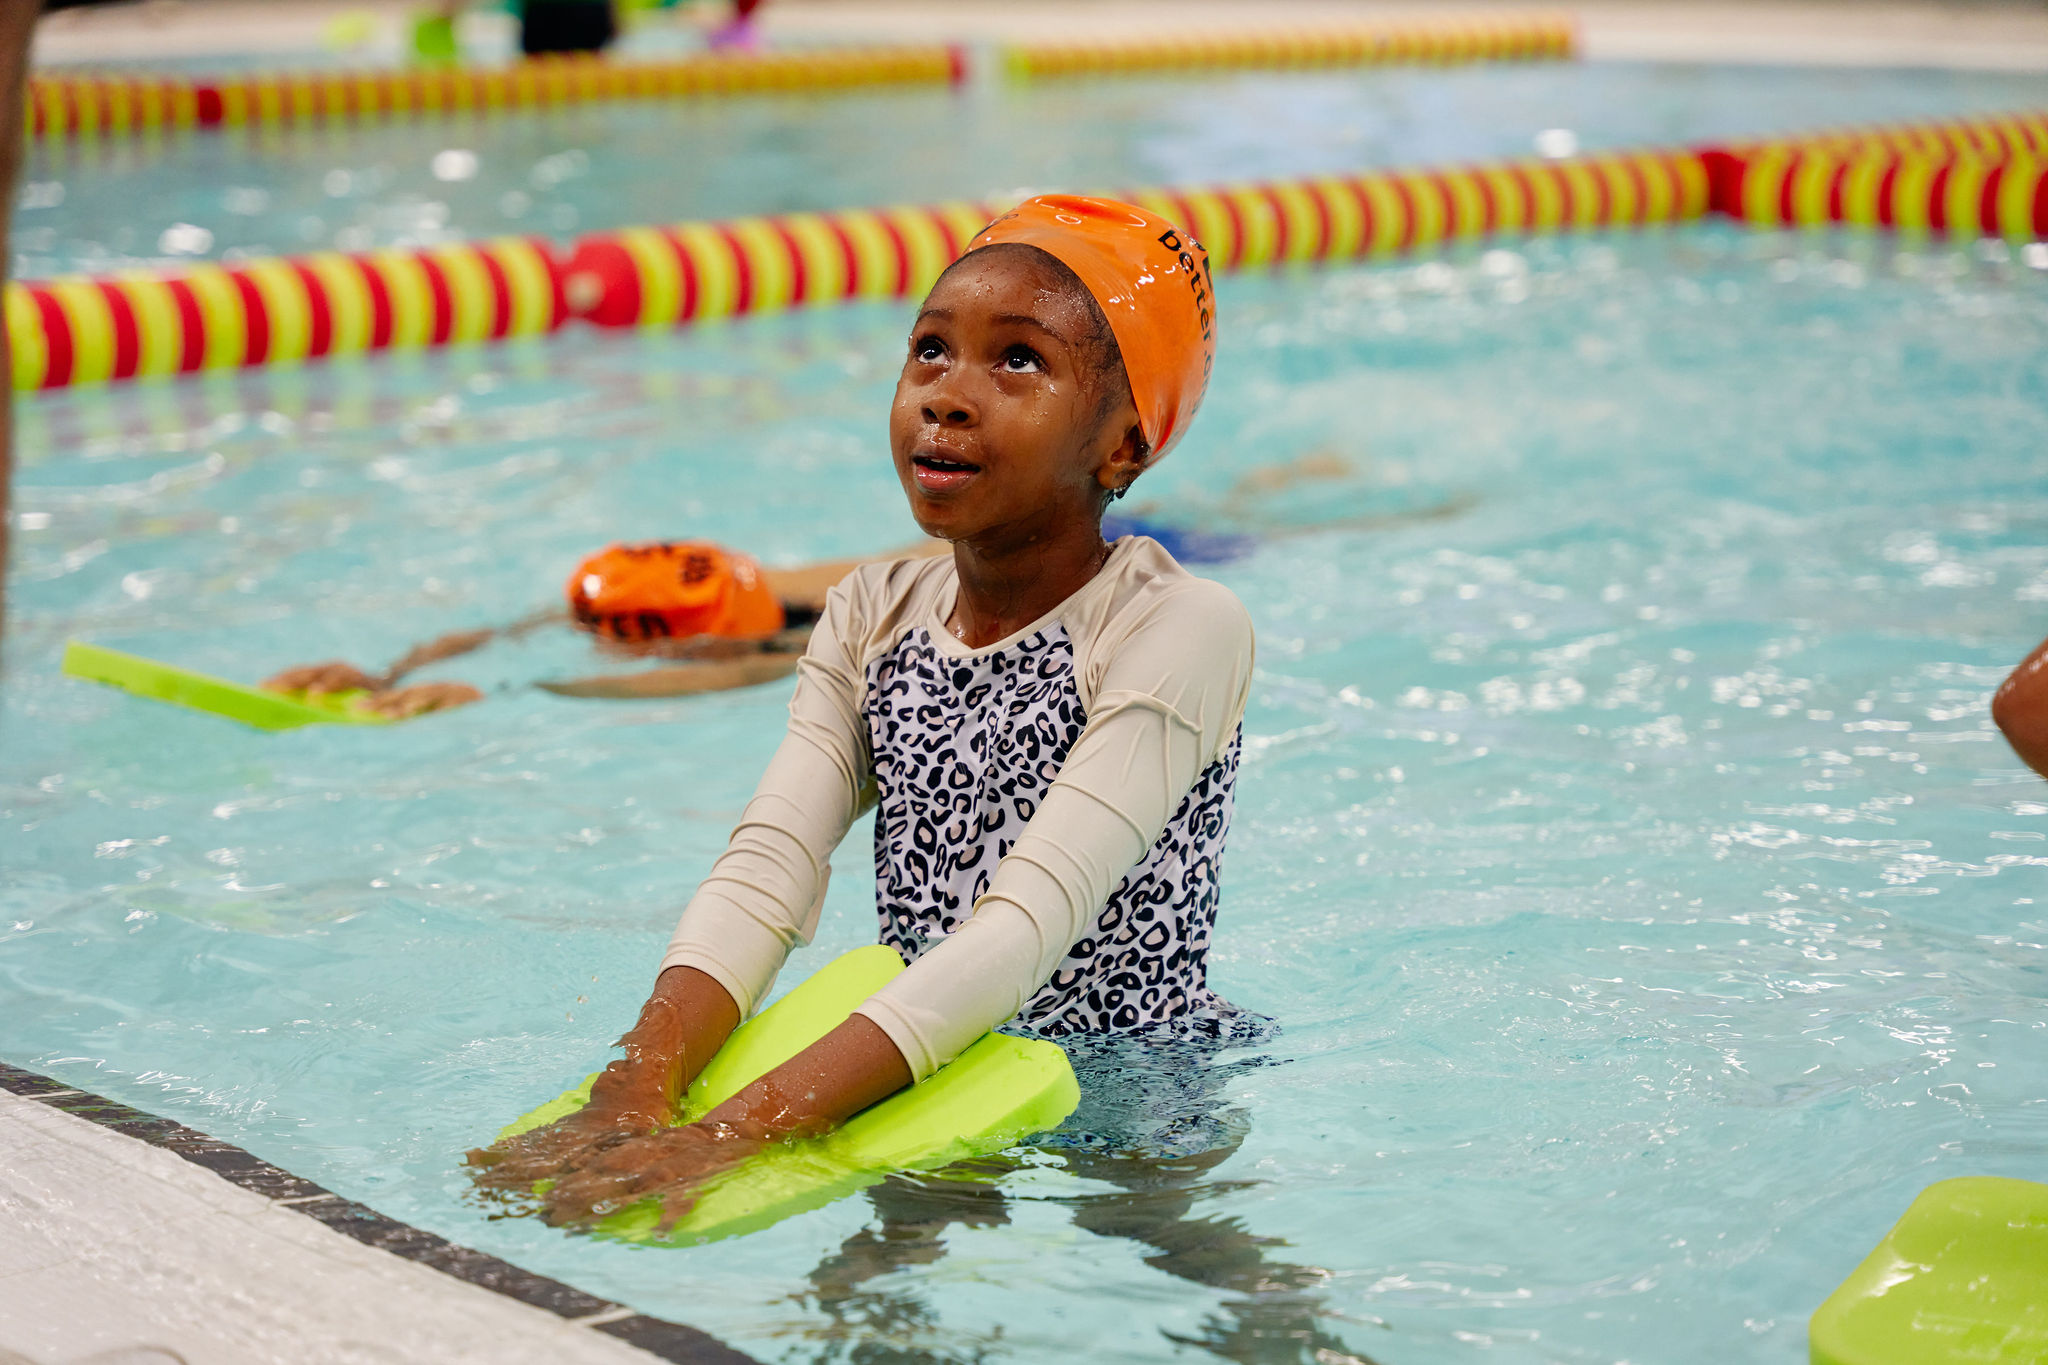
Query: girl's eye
x=928 y=349
x=1021 y=360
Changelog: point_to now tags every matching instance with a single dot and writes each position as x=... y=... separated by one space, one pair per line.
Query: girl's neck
x=1005 y=587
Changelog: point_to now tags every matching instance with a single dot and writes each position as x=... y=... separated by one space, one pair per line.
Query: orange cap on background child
x=672 y=589
x=1151 y=280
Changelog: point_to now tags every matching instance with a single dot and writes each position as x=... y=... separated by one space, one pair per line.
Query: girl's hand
x=514 y=1165
x=630 y=1098
x=670 y=1164
x=683 y=1024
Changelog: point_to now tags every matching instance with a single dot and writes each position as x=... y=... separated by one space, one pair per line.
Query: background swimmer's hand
x=332 y=676
x=402 y=703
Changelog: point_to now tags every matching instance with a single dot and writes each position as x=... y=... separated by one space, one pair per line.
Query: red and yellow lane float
x=692 y=272
x=689 y=272
x=1877 y=187
x=1780 y=180
x=1470 y=38
x=113 y=104
x=81 y=330
x=59 y=106
x=1384 y=213
x=1992 y=137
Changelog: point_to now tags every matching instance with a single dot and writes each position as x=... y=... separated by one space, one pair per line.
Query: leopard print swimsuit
x=964 y=750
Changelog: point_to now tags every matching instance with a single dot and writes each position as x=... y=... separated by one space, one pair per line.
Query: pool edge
x=658 y=1337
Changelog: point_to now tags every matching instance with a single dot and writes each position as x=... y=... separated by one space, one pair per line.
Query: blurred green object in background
x=433 y=39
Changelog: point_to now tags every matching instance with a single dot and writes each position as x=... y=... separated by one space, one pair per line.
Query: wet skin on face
x=1000 y=430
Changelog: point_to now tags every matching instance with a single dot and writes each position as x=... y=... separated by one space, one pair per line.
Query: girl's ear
x=1124 y=463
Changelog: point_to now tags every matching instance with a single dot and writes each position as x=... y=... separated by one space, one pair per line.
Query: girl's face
x=998 y=429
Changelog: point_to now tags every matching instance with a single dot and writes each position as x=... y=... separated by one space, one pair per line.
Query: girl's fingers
x=545 y=1153
x=676 y=1206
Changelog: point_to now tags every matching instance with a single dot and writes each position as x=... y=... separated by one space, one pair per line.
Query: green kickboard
x=1961 y=1280
x=217 y=696
x=999 y=1090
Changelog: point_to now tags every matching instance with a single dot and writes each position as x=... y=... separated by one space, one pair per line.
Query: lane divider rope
x=1440 y=41
x=106 y=104
x=95 y=104
x=283 y=311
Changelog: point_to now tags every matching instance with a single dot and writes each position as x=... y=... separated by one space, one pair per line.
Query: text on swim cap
x=1196 y=281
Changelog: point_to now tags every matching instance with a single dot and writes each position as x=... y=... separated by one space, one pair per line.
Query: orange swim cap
x=1151 y=280
x=672 y=589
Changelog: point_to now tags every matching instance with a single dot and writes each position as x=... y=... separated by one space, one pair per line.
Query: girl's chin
x=940 y=523
x=945 y=516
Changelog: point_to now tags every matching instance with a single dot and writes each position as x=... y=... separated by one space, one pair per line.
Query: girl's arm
x=681 y=1028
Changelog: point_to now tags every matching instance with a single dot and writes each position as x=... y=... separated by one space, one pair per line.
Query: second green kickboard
x=1962 y=1279
x=996 y=1092
x=202 y=692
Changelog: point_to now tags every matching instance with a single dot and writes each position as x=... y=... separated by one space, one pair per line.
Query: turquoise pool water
x=100 y=206
x=1647 y=905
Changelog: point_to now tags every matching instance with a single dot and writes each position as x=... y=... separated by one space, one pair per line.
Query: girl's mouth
x=941 y=474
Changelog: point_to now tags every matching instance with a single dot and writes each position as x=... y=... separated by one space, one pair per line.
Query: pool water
x=1647 y=906
x=107 y=205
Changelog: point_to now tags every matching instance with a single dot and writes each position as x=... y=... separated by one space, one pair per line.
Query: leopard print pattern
x=964 y=751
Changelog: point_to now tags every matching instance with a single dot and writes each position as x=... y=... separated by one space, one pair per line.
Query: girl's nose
x=946 y=406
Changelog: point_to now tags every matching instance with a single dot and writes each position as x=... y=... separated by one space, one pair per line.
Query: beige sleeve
x=764 y=894
x=1172 y=695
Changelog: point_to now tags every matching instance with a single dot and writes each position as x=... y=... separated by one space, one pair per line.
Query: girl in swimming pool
x=1046 y=723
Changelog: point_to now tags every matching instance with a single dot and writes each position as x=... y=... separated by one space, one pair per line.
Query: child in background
x=713 y=659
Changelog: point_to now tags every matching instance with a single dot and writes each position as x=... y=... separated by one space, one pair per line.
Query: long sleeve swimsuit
x=1050 y=809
